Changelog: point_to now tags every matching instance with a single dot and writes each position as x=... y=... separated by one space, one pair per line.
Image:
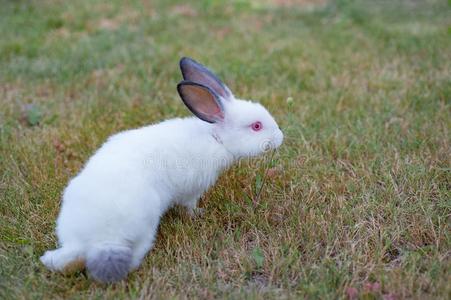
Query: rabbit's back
x=140 y=172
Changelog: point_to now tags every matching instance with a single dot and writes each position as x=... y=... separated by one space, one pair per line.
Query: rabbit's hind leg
x=141 y=248
x=65 y=259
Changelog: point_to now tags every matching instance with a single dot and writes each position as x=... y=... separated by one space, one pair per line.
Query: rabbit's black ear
x=195 y=72
x=201 y=101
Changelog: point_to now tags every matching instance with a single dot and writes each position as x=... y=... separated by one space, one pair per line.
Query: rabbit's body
x=124 y=189
x=111 y=209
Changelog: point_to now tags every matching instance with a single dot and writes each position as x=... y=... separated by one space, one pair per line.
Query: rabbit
x=111 y=210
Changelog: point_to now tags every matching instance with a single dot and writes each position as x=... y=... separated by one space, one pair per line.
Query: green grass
x=358 y=197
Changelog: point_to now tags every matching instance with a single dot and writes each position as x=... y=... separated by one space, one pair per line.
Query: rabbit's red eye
x=256 y=126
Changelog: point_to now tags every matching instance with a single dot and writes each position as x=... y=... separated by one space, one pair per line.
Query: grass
x=357 y=200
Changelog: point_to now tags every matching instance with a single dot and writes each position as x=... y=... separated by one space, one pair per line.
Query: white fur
x=131 y=181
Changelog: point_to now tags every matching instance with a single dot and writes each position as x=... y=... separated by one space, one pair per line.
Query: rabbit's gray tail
x=109 y=263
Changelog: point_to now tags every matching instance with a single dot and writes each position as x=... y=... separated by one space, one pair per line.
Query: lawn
x=356 y=202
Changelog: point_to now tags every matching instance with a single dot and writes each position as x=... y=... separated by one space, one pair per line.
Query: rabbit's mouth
x=269 y=145
x=274 y=143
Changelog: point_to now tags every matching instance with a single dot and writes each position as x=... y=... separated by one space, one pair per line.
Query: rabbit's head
x=245 y=128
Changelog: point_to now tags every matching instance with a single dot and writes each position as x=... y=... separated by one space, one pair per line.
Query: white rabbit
x=111 y=209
